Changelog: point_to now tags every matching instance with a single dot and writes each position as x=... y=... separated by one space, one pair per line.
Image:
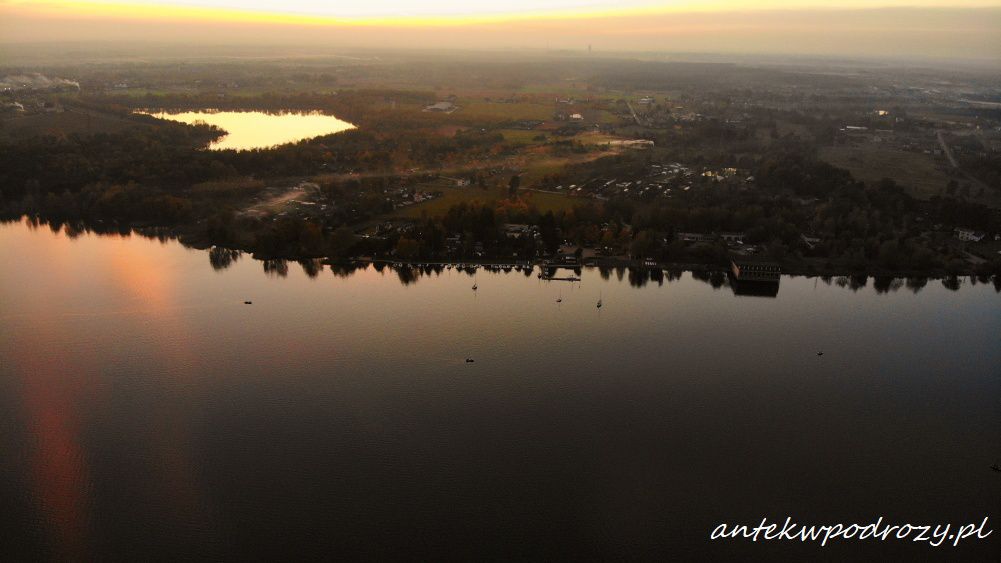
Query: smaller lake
x=257 y=129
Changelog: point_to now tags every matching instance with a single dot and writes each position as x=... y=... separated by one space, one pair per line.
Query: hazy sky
x=917 y=28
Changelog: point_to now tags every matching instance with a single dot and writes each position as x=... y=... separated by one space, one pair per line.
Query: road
x=946 y=149
x=973 y=180
x=636 y=118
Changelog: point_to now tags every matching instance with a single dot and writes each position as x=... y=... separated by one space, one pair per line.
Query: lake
x=258 y=129
x=146 y=412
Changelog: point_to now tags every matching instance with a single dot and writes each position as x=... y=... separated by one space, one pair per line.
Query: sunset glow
x=438 y=12
x=891 y=27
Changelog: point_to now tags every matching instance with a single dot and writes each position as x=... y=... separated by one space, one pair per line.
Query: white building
x=441 y=106
x=969 y=235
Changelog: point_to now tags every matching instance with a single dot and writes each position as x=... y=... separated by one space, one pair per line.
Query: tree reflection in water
x=276 y=267
x=311 y=267
x=222 y=258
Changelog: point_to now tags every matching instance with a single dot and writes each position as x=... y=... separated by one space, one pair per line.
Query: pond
x=258 y=129
x=147 y=412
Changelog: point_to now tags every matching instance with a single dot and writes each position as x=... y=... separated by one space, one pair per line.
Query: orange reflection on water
x=61 y=376
x=143 y=279
x=58 y=458
x=136 y=275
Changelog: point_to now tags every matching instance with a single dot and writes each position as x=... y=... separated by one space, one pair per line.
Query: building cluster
x=969 y=235
x=662 y=180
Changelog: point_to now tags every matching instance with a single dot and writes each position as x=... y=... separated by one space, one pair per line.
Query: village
x=628 y=166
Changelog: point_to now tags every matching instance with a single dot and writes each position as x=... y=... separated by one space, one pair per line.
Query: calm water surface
x=147 y=413
x=258 y=130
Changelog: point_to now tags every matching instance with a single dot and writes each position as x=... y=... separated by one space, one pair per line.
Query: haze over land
x=911 y=29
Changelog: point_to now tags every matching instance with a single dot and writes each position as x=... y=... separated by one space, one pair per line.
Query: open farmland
x=919 y=173
x=502 y=111
x=452 y=196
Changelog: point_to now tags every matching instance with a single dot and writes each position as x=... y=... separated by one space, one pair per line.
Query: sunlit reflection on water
x=147 y=412
x=257 y=129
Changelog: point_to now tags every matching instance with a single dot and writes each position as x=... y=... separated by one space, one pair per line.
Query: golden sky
x=933 y=28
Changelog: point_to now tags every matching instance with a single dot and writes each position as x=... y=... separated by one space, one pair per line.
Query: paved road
x=946 y=149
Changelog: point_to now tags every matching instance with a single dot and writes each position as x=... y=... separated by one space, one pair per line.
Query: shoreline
x=639 y=265
x=189 y=239
x=791 y=269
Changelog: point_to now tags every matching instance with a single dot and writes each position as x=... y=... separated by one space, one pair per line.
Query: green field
x=521 y=136
x=498 y=111
x=452 y=196
x=919 y=173
x=551 y=202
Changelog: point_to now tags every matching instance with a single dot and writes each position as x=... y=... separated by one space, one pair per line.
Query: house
x=696 y=236
x=459 y=182
x=753 y=269
x=576 y=117
x=517 y=231
x=567 y=256
x=444 y=107
x=969 y=235
x=732 y=237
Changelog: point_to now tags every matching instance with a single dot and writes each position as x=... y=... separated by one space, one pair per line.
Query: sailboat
x=474 y=286
x=599 y=300
x=560 y=298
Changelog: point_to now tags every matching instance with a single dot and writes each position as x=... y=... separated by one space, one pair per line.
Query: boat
x=474 y=287
x=599 y=301
x=248 y=302
x=470 y=360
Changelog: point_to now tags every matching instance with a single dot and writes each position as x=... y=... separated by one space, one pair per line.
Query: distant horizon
x=28 y=53
x=892 y=31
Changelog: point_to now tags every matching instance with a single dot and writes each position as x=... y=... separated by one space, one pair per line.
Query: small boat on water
x=474 y=287
x=470 y=360
x=599 y=301
x=248 y=302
